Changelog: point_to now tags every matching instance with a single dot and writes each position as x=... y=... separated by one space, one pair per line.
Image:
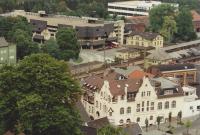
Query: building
x=186 y=73
x=131 y=8
x=125 y=100
x=157 y=57
x=145 y=39
x=126 y=54
x=91 y=32
x=139 y=23
x=7 y=52
x=196 y=20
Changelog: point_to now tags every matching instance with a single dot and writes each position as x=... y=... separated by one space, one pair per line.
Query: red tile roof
x=195 y=15
x=137 y=74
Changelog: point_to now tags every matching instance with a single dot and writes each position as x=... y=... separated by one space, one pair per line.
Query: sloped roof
x=133 y=129
x=195 y=16
x=88 y=130
x=98 y=123
x=139 y=20
x=145 y=35
x=138 y=74
x=159 y=54
x=3 y=42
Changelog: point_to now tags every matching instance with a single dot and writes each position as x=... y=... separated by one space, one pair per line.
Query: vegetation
x=170 y=118
x=158 y=120
x=110 y=130
x=174 y=25
x=188 y=124
x=38 y=97
x=146 y=124
x=68 y=43
x=18 y=31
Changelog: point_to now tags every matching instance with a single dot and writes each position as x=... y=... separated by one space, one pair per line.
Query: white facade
x=146 y=105
x=132 y=8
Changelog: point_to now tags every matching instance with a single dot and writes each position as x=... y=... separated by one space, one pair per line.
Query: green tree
x=157 y=15
x=185 y=28
x=179 y=116
x=38 y=97
x=25 y=46
x=169 y=28
x=188 y=124
x=68 y=43
x=158 y=120
x=170 y=118
x=51 y=48
x=146 y=124
x=110 y=130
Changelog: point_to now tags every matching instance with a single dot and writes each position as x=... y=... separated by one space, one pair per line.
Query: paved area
x=94 y=55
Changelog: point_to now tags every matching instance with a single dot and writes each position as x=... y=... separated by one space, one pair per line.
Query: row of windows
x=129 y=9
x=149 y=106
x=128 y=110
x=166 y=105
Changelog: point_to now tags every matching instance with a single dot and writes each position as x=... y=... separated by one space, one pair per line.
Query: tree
x=146 y=124
x=38 y=97
x=24 y=44
x=169 y=28
x=68 y=43
x=170 y=118
x=188 y=124
x=180 y=116
x=158 y=120
x=157 y=15
x=185 y=29
x=51 y=48
x=110 y=130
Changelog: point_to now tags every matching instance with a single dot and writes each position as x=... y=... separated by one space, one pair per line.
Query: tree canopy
x=110 y=130
x=68 y=43
x=38 y=96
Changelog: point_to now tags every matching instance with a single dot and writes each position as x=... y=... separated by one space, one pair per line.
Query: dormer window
x=168 y=92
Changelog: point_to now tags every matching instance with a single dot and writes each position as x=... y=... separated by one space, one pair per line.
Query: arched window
x=173 y=104
x=159 y=105
x=128 y=110
x=122 y=110
x=166 y=105
x=138 y=119
x=128 y=121
x=121 y=121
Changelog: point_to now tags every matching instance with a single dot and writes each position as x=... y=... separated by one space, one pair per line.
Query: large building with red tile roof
x=123 y=99
x=196 y=20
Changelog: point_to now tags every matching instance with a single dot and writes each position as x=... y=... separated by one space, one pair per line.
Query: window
x=129 y=110
x=148 y=93
x=138 y=119
x=151 y=117
x=173 y=104
x=122 y=97
x=166 y=105
x=142 y=106
x=147 y=105
x=138 y=108
x=159 y=105
x=121 y=121
x=97 y=104
x=110 y=113
x=122 y=110
x=128 y=121
x=152 y=105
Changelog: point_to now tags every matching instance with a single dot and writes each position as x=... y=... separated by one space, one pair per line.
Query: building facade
x=7 y=52
x=126 y=54
x=185 y=73
x=131 y=8
x=125 y=100
x=145 y=39
x=196 y=20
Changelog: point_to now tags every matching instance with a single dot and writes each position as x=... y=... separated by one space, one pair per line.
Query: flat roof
x=135 y=4
x=54 y=20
